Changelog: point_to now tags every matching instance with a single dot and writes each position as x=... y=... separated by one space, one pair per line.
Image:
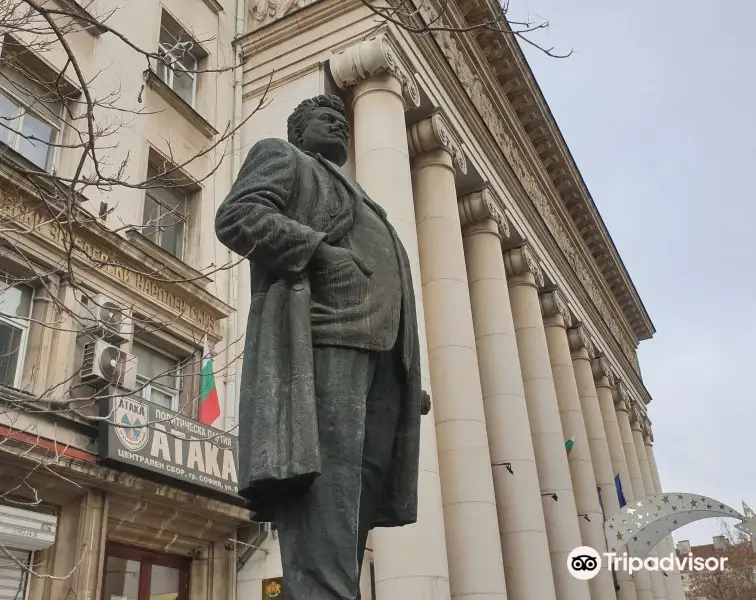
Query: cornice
x=521 y=88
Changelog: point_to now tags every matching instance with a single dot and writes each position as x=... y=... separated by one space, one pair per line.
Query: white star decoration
x=748 y=525
x=640 y=526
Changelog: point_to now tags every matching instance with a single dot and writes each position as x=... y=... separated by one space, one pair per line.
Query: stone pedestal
x=473 y=545
x=524 y=277
x=556 y=318
x=406 y=564
x=524 y=544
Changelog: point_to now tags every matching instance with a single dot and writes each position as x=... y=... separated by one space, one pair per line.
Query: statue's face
x=326 y=133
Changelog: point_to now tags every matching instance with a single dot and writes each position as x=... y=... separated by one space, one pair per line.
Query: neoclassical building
x=529 y=320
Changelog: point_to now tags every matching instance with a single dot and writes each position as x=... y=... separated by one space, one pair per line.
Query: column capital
x=376 y=56
x=481 y=205
x=435 y=133
x=602 y=370
x=554 y=304
x=648 y=435
x=580 y=339
x=636 y=421
x=638 y=417
x=621 y=396
x=520 y=260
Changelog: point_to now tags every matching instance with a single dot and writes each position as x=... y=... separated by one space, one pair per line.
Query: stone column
x=524 y=277
x=556 y=319
x=582 y=350
x=62 y=368
x=603 y=379
x=527 y=565
x=658 y=578
x=42 y=329
x=76 y=560
x=406 y=564
x=622 y=401
x=673 y=583
x=473 y=546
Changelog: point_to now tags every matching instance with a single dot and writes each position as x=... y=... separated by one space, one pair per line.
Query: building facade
x=529 y=322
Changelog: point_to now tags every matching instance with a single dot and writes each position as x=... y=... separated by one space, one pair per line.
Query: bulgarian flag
x=209 y=405
x=569 y=444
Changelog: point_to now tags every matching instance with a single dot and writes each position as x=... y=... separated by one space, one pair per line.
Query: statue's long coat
x=282 y=205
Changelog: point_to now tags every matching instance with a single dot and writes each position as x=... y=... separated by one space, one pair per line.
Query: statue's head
x=319 y=125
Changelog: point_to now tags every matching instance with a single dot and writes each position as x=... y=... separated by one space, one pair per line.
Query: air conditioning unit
x=103 y=363
x=106 y=319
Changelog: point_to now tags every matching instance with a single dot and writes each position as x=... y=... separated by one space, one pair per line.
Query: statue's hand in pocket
x=327 y=256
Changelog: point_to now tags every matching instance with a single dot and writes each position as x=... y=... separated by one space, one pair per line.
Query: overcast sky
x=658 y=107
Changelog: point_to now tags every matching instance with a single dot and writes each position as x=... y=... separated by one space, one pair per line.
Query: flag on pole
x=569 y=444
x=209 y=405
x=620 y=495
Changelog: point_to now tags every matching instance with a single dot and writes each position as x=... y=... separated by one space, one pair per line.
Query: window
x=158 y=376
x=180 y=58
x=25 y=132
x=164 y=216
x=15 y=309
x=135 y=574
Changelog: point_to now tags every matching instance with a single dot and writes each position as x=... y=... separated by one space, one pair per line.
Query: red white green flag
x=569 y=444
x=209 y=405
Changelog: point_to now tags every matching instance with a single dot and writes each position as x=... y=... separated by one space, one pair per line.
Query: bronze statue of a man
x=330 y=401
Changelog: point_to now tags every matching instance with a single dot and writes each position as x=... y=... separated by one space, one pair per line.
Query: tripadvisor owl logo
x=584 y=563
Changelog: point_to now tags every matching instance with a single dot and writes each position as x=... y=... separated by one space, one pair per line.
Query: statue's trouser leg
x=320 y=533
x=383 y=405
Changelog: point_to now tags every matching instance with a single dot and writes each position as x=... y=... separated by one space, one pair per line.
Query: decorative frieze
x=263 y=12
x=490 y=114
x=368 y=59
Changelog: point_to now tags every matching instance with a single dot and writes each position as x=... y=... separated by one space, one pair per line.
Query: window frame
x=14 y=131
x=166 y=70
x=181 y=219
x=147 y=559
x=21 y=323
x=145 y=385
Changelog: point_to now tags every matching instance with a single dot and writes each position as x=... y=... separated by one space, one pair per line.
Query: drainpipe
x=232 y=324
